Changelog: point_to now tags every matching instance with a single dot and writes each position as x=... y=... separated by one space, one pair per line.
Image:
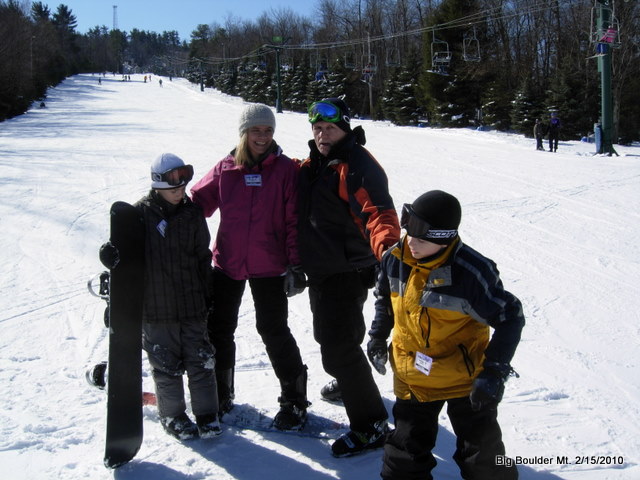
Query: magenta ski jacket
x=257 y=235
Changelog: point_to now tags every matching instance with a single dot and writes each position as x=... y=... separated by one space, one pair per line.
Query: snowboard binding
x=103 y=291
x=97 y=375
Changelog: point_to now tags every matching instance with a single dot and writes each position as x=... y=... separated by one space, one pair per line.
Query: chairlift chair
x=609 y=35
x=440 y=56
x=285 y=62
x=369 y=67
x=470 y=46
x=393 y=57
x=321 y=65
x=350 y=60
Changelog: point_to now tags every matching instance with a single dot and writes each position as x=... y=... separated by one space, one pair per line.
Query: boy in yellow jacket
x=441 y=298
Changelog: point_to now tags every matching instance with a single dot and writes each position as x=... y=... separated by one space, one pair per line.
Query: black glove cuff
x=499 y=370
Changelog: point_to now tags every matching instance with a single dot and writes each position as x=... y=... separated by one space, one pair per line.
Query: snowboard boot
x=226 y=393
x=353 y=443
x=97 y=375
x=180 y=427
x=293 y=404
x=331 y=392
x=208 y=425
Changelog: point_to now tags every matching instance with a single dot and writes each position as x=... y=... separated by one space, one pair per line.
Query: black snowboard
x=126 y=289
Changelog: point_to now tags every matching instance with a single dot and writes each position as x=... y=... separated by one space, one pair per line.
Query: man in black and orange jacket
x=346 y=221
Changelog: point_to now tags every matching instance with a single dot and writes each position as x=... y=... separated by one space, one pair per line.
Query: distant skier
x=554 y=132
x=178 y=264
x=539 y=131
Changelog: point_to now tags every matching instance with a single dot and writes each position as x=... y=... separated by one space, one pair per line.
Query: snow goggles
x=324 y=111
x=418 y=228
x=174 y=177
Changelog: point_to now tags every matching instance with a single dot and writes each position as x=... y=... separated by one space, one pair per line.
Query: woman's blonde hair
x=243 y=155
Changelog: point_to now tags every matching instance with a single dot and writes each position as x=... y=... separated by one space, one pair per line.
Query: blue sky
x=180 y=15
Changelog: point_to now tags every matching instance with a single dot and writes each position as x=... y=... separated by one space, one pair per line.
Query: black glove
x=488 y=387
x=378 y=354
x=368 y=276
x=109 y=255
x=295 y=280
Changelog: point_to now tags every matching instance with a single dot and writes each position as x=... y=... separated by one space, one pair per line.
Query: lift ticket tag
x=423 y=363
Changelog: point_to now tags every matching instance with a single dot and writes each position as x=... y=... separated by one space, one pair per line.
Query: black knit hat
x=442 y=212
x=345 y=114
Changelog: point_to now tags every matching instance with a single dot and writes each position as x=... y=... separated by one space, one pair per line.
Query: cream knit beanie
x=256 y=114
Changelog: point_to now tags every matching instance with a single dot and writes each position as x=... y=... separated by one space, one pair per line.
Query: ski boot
x=353 y=443
x=180 y=427
x=331 y=392
x=208 y=426
x=293 y=404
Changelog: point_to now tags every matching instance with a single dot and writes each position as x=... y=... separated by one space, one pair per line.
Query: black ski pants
x=408 y=449
x=553 y=141
x=339 y=327
x=271 y=309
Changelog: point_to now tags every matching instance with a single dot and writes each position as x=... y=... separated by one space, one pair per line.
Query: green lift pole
x=278 y=49
x=604 y=67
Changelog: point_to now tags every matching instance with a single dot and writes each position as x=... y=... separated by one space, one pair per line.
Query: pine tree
x=564 y=97
x=496 y=107
x=389 y=99
x=406 y=108
x=524 y=110
x=302 y=77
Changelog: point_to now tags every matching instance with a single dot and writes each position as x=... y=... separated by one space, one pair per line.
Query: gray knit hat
x=255 y=115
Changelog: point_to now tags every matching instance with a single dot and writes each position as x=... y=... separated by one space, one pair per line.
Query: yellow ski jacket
x=440 y=311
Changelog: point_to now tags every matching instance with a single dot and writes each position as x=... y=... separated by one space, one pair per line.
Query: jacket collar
x=267 y=158
x=438 y=268
x=155 y=202
x=342 y=149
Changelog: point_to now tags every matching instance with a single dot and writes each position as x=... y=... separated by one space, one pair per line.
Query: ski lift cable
x=469 y=20
x=482 y=16
x=259 y=52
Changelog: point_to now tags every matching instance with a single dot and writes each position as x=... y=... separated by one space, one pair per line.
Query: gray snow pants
x=176 y=348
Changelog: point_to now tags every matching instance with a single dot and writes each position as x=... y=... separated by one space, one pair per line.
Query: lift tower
x=607 y=36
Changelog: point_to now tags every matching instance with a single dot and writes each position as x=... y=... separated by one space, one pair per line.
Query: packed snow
x=564 y=229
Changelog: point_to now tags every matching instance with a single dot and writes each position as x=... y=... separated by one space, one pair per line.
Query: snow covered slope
x=563 y=228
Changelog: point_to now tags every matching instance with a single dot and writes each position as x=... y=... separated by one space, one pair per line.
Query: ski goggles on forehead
x=324 y=111
x=174 y=177
x=418 y=228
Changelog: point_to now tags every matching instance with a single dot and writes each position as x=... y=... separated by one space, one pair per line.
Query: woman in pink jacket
x=255 y=189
